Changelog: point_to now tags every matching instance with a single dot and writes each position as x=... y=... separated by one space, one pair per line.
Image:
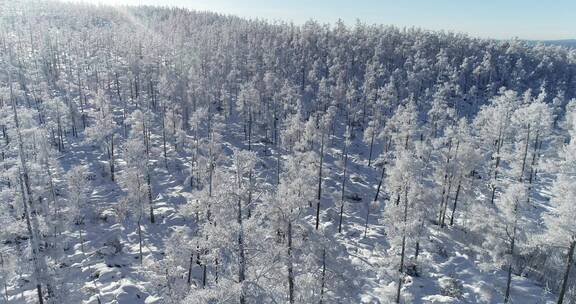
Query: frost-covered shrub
x=450 y=286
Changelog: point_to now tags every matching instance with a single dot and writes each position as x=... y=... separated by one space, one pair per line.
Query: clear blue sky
x=526 y=19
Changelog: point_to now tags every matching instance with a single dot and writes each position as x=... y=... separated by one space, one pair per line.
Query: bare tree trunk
x=250 y=129
x=499 y=143
x=278 y=164
x=320 y=182
x=140 y=239
x=403 y=251
x=509 y=277
x=343 y=187
x=367 y=217
x=375 y=199
x=323 y=278
x=189 y=280
x=525 y=154
x=242 y=259
x=150 y=200
x=493 y=195
x=567 y=273
x=417 y=251
x=164 y=138
x=448 y=178
x=290 y=265
x=112 y=157
x=455 y=202
x=445 y=208
x=371 y=148
x=534 y=158
x=380 y=182
x=203 y=275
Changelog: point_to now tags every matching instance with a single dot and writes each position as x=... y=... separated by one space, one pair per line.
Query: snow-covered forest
x=161 y=155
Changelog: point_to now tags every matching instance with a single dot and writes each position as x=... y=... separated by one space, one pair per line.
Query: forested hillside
x=161 y=155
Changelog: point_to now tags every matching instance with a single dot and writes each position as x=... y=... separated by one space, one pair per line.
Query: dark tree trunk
x=534 y=158
x=140 y=240
x=509 y=277
x=320 y=182
x=112 y=157
x=150 y=200
x=525 y=154
x=371 y=148
x=204 y=275
x=455 y=202
x=343 y=188
x=242 y=259
x=380 y=182
x=445 y=208
x=290 y=265
x=403 y=251
x=567 y=273
x=165 y=151
x=323 y=278
x=189 y=280
x=278 y=156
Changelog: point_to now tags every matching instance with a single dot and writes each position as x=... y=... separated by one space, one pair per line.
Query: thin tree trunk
x=164 y=139
x=320 y=182
x=323 y=278
x=189 y=280
x=371 y=148
x=343 y=188
x=290 y=265
x=455 y=202
x=499 y=143
x=150 y=200
x=493 y=195
x=112 y=157
x=445 y=208
x=375 y=198
x=509 y=277
x=567 y=273
x=140 y=240
x=367 y=217
x=403 y=251
x=241 y=260
x=380 y=182
x=525 y=154
x=250 y=129
x=278 y=168
x=534 y=158
x=204 y=275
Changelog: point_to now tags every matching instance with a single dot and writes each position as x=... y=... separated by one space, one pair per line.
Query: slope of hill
x=158 y=155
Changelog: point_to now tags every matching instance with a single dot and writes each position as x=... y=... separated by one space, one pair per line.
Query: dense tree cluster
x=265 y=129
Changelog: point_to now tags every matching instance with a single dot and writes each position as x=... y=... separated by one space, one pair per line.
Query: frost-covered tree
x=561 y=228
x=513 y=206
x=405 y=214
x=296 y=189
x=493 y=126
x=78 y=195
x=134 y=182
x=103 y=130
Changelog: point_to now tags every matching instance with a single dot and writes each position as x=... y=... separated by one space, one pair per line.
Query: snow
x=102 y=256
